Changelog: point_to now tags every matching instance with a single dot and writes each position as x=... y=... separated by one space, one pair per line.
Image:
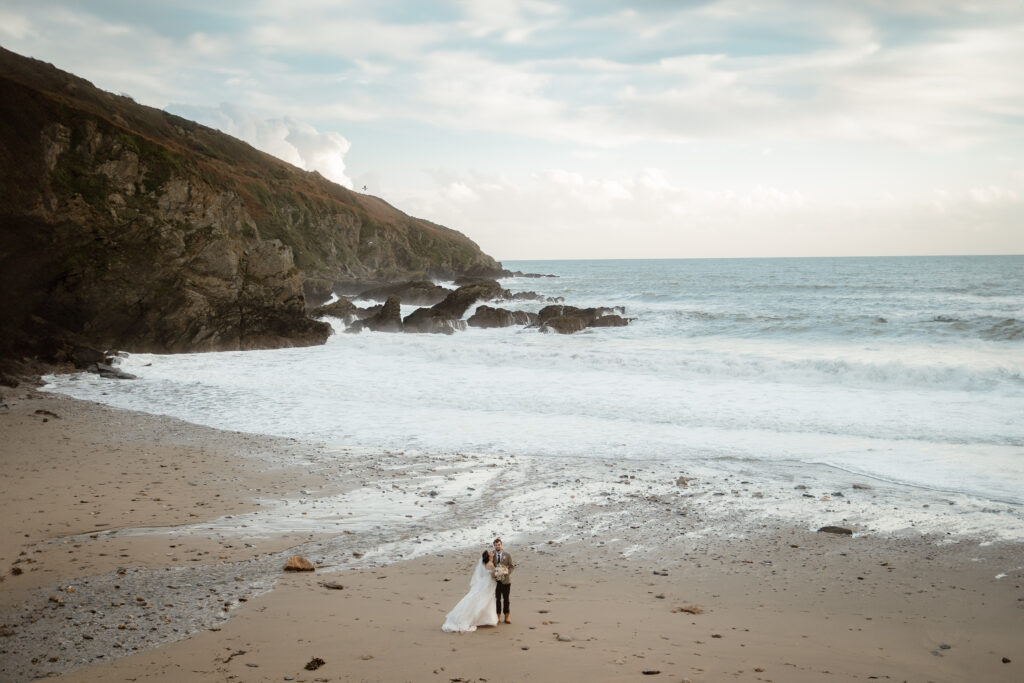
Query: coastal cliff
x=123 y=226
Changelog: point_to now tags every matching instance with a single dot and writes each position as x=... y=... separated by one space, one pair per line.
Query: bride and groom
x=491 y=580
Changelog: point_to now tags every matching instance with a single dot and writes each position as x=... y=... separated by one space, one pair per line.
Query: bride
x=476 y=608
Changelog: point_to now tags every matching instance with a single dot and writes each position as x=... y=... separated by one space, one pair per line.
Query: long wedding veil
x=480 y=573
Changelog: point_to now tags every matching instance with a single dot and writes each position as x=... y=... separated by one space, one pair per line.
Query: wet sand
x=597 y=594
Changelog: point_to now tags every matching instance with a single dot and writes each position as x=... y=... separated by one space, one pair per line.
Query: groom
x=501 y=590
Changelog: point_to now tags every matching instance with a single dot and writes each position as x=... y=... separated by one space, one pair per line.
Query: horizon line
x=752 y=258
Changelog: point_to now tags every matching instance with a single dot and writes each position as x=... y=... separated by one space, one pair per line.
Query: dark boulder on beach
x=838 y=530
x=488 y=316
x=388 y=319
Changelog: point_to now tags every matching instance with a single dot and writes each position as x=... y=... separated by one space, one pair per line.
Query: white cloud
x=293 y=141
x=559 y=213
x=14 y=25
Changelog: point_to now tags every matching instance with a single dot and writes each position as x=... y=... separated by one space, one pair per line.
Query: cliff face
x=123 y=226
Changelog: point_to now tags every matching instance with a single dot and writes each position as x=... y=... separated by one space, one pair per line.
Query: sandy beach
x=137 y=547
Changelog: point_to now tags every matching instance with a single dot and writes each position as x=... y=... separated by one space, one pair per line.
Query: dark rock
x=8 y=381
x=389 y=319
x=526 y=296
x=446 y=317
x=316 y=290
x=1006 y=660
x=314 y=664
x=519 y=273
x=110 y=372
x=333 y=585
x=487 y=316
x=368 y=312
x=415 y=293
x=83 y=357
x=342 y=309
x=609 y=321
x=842 y=531
x=467 y=280
x=569 y=319
x=423 y=320
x=458 y=302
x=564 y=324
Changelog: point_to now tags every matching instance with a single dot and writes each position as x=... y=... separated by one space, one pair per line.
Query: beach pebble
x=842 y=531
x=564 y=639
x=1006 y=660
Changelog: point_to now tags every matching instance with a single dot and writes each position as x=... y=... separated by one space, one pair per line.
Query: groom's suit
x=501 y=590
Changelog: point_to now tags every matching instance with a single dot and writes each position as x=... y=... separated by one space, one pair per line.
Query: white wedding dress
x=476 y=608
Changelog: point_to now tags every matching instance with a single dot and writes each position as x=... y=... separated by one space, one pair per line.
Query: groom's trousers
x=501 y=592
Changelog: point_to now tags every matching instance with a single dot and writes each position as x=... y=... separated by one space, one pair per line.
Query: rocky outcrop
x=122 y=226
x=446 y=316
x=487 y=316
x=388 y=319
x=416 y=293
x=343 y=309
x=569 y=319
x=532 y=296
x=423 y=320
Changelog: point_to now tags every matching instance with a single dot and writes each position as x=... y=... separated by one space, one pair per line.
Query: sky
x=597 y=128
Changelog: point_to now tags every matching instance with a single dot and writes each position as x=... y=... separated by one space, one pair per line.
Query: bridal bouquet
x=500 y=573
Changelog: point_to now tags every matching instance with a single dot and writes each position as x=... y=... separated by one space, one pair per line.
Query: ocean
x=905 y=372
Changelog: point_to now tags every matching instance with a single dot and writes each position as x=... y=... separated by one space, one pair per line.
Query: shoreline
x=768 y=576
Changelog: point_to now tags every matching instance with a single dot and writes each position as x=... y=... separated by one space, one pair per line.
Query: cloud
x=14 y=25
x=293 y=141
x=559 y=213
x=658 y=72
